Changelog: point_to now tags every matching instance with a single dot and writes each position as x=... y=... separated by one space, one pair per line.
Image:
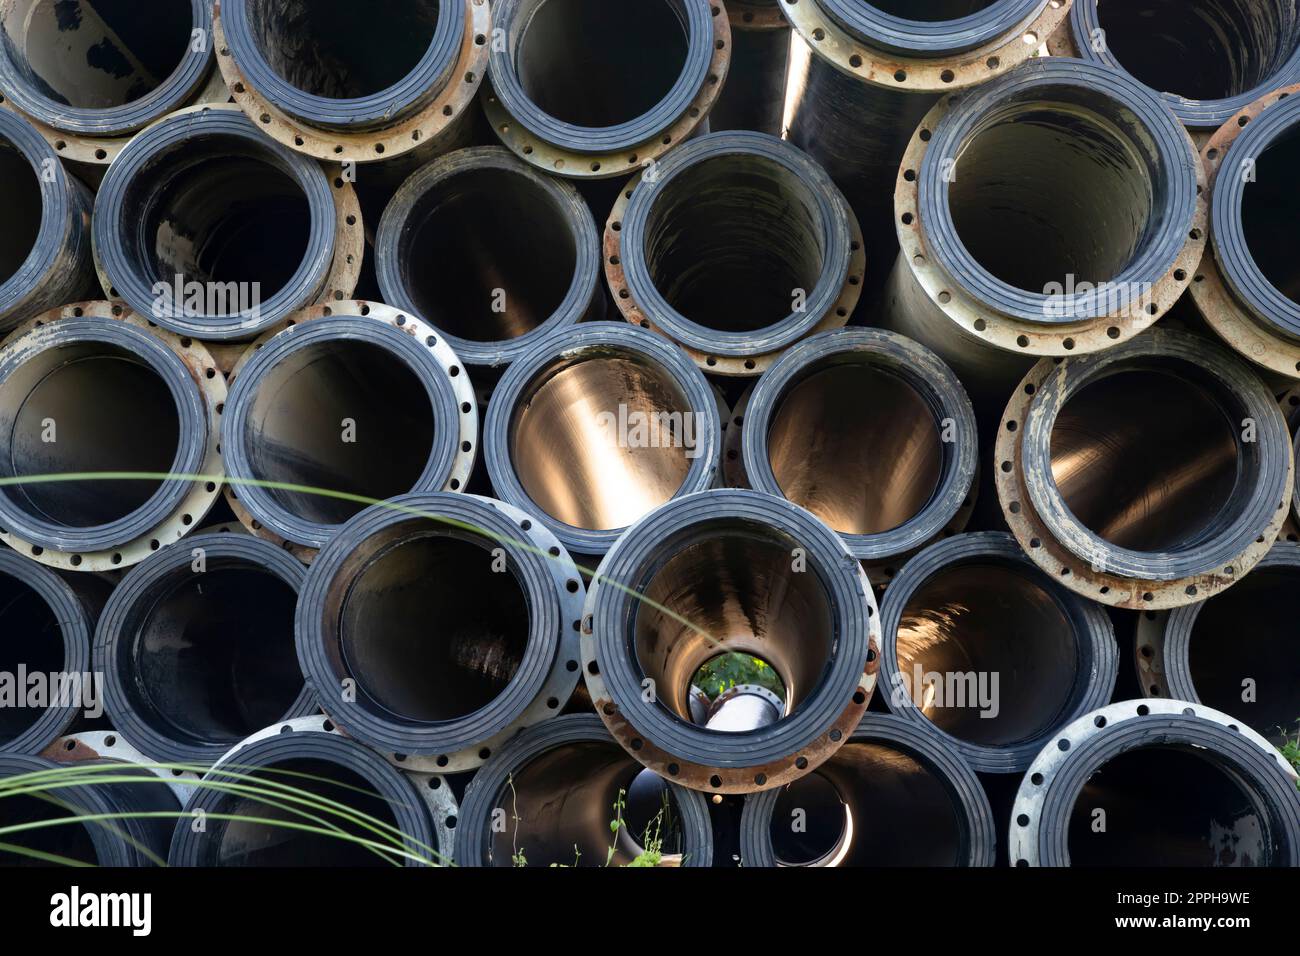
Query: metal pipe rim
x=596 y=340
x=126 y=612
x=1038 y=835
x=921 y=38
x=409 y=95
x=978 y=831
x=919 y=368
x=115 y=243
x=698 y=758
x=466 y=517
x=473 y=835
x=756 y=15
x=1094 y=635
x=175 y=91
x=560 y=195
x=104 y=745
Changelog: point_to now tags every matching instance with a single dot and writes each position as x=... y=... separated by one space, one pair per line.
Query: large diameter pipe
x=214 y=231
x=196 y=647
x=1232 y=652
x=94 y=388
x=1149 y=476
x=353 y=399
x=863 y=74
x=589 y=89
x=436 y=627
x=491 y=252
x=735 y=247
x=551 y=795
x=995 y=269
x=754 y=95
x=869 y=431
x=715 y=574
x=597 y=425
x=1157 y=783
x=45 y=256
x=990 y=652
x=90 y=73
x=356 y=83
x=1246 y=286
x=258 y=806
x=897 y=794
x=1206 y=58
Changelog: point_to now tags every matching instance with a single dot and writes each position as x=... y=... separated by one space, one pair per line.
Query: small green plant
x=1291 y=749
x=721 y=673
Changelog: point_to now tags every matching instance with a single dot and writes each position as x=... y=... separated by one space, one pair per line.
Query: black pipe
x=754 y=95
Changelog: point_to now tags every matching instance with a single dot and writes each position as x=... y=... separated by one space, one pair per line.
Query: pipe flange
x=487 y=796
x=542 y=683
x=1290 y=405
x=1038 y=832
x=1085 y=562
x=180 y=504
x=1029 y=25
x=126 y=698
x=974 y=815
x=410 y=338
x=1243 y=326
x=1003 y=317
x=756 y=15
x=94 y=745
x=427 y=822
x=424 y=128
x=743 y=354
x=582 y=153
x=771 y=756
x=1094 y=638
x=1149 y=654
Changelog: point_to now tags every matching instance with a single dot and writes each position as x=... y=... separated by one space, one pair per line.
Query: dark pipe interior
x=973 y=623
x=857 y=446
x=34 y=641
x=433 y=627
x=1268 y=208
x=1166 y=806
x=558 y=808
x=930 y=11
x=594 y=63
x=108 y=412
x=587 y=470
x=71 y=840
x=487 y=255
x=738 y=589
x=1147 y=459
x=97 y=54
x=247 y=843
x=20 y=194
x=1027 y=190
x=295 y=430
x=871 y=804
x=1201 y=49
x=213 y=658
x=735 y=243
x=1248 y=632
x=340 y=49
x=216 y=211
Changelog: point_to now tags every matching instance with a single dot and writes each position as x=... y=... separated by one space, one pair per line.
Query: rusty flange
x=755 y=15
x=98 y=745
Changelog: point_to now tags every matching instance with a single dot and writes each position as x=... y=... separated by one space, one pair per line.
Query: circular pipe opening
x=1167 y=806
x=502 y=251
x=987 y=653
x=69 y=841
x=35 y=643
x=559 y=807
x=1005 y=196
x=340 y=414
x=870 y=805
x=1268 y=207
x=86 y=407
x=640 y=56
x=212 y=658
x=432 y=627
x=733 y=589
x=860 y=473
x=598 y=439
x=20 y=195
x=1150 y=459
x=735 y=243
x=1201 y=49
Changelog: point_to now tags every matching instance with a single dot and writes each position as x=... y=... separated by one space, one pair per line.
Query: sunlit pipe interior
x=1167 y=806
x=34 y=641
x=1269 y=204
x=977 y=623
x=20 y=194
